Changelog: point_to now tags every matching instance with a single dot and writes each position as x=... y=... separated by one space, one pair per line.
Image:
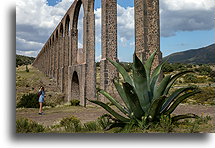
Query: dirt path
x=54 y=115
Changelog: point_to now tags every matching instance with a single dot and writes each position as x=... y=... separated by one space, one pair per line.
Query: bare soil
x=54 y=115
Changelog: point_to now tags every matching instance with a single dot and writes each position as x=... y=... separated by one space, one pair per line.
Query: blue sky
x=124 y=3
x=185 y=24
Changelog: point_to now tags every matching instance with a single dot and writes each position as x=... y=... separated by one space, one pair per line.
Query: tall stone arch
x=86 y=69
x=67 y=48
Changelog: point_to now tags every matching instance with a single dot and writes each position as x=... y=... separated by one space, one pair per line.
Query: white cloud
x=132 y=43
x=27 y=53
x=38 y=13
x=35 y=20
x=98 y=24
x=177 y=5
x=80 y=45
x=186 y=15
x=125 y=23
x=98 y=58
x=24 y=45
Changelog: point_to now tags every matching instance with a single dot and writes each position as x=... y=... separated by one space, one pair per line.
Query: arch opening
x=78 y=34
x=75 y=87
x=80 y=27
x=125 y=39
x=57 y=34
x=67 y=26
x=61 y=30
x=53 y=39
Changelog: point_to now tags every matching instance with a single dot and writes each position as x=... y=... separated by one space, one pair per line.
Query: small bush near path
x=24 y=125
x=28 y=101
x=75 y=102
x=71 y=124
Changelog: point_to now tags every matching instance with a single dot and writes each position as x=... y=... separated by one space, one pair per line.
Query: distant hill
x=24 y=60
x=205 y=55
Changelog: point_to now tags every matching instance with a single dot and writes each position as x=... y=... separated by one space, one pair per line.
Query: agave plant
x=146 y=95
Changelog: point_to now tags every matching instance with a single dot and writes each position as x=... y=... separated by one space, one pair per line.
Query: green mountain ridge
x=204 y=55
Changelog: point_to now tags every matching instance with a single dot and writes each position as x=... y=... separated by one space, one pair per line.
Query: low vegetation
x=73 y=125
x=23 y=60
x=28 y=101
x=206 y=97
x=75 y=102
x=24 y=125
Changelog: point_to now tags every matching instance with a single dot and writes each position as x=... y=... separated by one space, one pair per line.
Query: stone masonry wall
x=58 y=58
x=109 y=46
x=147 y=29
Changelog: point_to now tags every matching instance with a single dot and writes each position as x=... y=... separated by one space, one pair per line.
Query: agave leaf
x=174 y=95
x=110 y=110
x=179 y=117
x=153 y=86
x=122 y=94
x=173 y=79
x=133 y=101
x=155 y=77
x=148 y=65
x=122 y=71
x=179 y=100
x=140 y=83
x=159 y=91
x=157 y=70
x=155 y=107
x=114 y=101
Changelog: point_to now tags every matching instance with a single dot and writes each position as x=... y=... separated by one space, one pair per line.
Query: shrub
x=179 y=66
x=97 y=64
x=71 y=124
x=24 y=125
x=26 y=68
x=91 y=126
x=75 y=103
x=126 y=66
x=23 y=60
x=168 y=68
x=189 y=66
x=166 y=123
x=28 y=101
x=203 y=70
x=105 y=121
x=212 y=75
x=207 y=96
x=190 y=78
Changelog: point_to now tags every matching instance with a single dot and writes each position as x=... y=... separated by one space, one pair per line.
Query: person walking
x=41 y=100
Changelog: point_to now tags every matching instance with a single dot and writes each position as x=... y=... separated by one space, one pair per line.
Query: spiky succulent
x=145 y=93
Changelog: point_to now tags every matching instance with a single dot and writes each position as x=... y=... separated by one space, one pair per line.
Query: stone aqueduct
x=75 y=71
